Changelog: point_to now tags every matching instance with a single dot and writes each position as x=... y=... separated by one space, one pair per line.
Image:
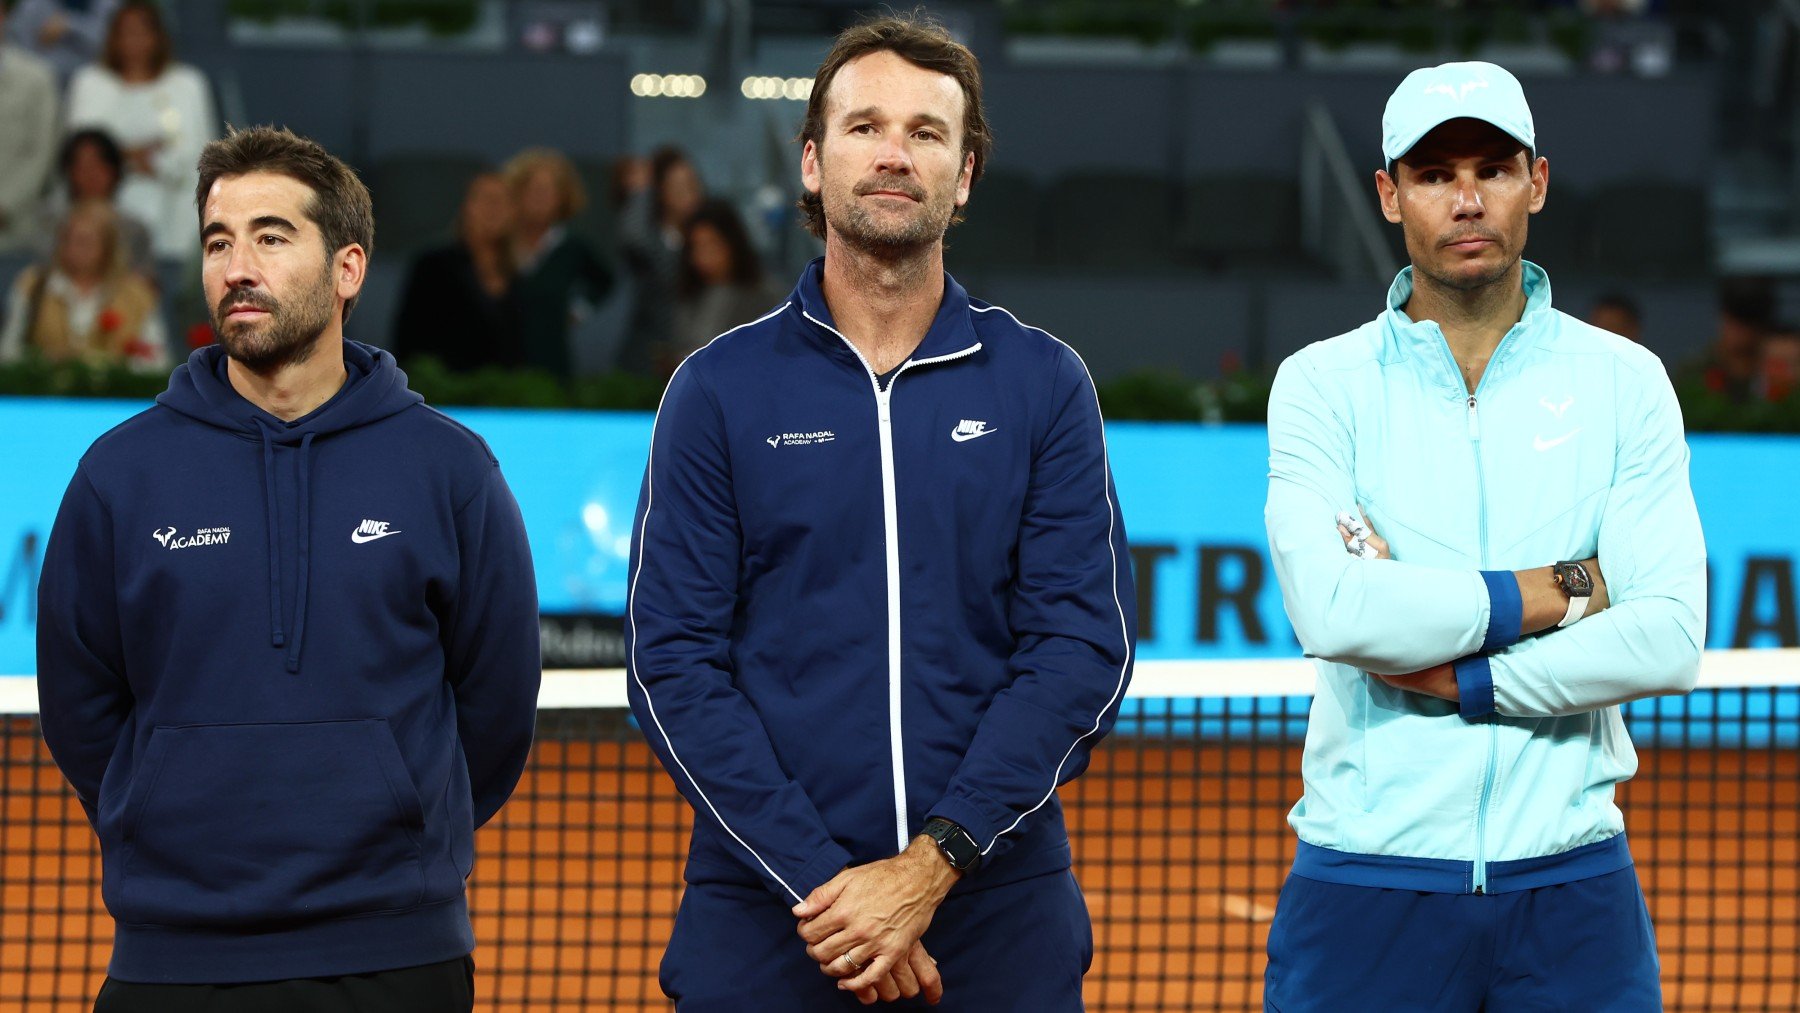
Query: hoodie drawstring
x=305 y=522
x=276 y=638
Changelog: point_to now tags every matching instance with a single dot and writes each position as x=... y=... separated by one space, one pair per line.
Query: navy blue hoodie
x=289 y=667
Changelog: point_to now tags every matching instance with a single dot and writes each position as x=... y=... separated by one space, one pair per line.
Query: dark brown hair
x=663 y=161
x=920 y=41
x=721 y=217
x=339 y=205
x=165 y=49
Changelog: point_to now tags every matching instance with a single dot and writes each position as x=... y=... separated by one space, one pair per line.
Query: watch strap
x=954 y=843
x=1577 y=607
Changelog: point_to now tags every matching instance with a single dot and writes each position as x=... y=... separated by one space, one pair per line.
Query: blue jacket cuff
x=1506 y=610
x=1474 y=686
x=964 y=813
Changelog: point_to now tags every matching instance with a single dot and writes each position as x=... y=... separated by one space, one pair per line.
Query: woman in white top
x=161 y=113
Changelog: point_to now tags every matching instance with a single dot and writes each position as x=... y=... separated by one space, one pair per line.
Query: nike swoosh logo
x=359 y=538
x=966 y=437
x=1539 y=444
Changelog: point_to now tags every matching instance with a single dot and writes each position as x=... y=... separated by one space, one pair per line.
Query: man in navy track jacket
x=880 y=598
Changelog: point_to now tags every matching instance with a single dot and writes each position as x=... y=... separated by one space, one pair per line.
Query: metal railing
x=1338 y=223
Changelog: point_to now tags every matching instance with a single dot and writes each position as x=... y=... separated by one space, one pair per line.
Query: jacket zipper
x=1479 y=878
x=890 y=516
x=1478 y=871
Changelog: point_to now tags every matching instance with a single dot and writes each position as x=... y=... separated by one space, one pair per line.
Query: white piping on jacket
x=631 y=617
x=1111 y=524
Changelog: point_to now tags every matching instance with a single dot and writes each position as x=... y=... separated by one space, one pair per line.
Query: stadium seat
x=1111 y=219
x=1002 y=228
x=1554 y=239
x=372 y=321
x=1239 y=220
x=1192 y=326
x=1297 y=313
x=417 y=197
x=1649 y=229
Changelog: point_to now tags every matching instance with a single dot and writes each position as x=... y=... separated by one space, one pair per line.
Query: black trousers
x=448 y=987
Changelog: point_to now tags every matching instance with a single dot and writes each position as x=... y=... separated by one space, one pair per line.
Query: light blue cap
x=1432 y=96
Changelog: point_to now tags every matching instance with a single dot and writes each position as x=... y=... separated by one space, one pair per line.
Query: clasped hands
x=863 y=925
x=1542 y=605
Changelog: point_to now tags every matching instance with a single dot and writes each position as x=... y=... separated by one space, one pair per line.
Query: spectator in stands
x=720 y=283
x=27 y=139
x=1729 y=367
x=1779 y=375
x=1618 y=314
x=650 y=232
x=556 y=266
x=91 y=167
x=459 y=304
x=85 y=303
x=160 y=112
x=65 y=33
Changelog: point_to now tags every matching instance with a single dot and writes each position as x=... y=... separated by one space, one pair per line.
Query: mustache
x=1472 y=232
x=898 y=184
x=247 y=297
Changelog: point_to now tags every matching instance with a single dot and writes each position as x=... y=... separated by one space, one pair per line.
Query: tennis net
x=1178 y=825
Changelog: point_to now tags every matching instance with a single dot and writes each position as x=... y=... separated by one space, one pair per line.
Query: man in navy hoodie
x=880 y=599
x=287 y=636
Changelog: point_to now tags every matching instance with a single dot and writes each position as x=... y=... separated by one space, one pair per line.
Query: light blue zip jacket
x=1570 y=447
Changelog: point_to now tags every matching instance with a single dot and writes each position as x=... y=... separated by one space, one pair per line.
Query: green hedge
x=1151 y=395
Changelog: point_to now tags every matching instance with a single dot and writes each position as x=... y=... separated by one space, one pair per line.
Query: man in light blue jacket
x=1539 y=562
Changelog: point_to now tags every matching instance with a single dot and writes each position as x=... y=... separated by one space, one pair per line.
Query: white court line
x=566 y=689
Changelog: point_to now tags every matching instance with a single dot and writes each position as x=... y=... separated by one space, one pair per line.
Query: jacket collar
x=952 y=332
x=1423 y=341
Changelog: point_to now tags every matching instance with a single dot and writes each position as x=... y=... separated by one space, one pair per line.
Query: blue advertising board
x=1192 y=498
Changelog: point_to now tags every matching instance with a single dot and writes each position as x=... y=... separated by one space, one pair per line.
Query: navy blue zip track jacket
x=288 y=667
x=853 y=609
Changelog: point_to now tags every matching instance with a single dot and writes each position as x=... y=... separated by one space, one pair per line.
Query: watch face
x=957 y=845
x=1574 y=580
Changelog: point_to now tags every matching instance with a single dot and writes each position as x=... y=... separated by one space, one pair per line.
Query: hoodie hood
x=374 y=389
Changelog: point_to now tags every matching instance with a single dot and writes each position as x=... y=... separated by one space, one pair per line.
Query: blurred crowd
x=100 y=128
x=511 y=285
x=1756 y=356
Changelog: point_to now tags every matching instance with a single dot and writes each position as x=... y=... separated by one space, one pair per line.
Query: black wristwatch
x=958 y=848
x=1574 y=581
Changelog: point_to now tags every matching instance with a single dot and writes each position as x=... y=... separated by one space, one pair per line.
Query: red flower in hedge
x=110 y=319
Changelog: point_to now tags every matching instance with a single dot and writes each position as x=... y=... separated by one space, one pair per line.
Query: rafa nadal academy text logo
x=172 y=539
x=800 y=439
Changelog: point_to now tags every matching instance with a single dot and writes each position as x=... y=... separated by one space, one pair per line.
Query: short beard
x=286 y=338
x=1475 y=284
x=1467 y=284
x=856 y=226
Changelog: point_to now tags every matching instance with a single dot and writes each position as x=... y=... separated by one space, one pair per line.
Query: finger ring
x=848 y=959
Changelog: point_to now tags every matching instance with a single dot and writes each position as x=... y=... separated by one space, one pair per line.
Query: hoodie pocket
x=240 y=825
